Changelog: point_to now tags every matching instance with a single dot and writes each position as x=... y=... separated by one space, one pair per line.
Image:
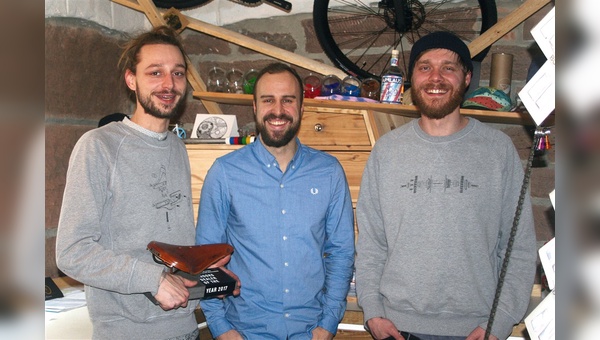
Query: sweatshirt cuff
x=502 y=326
x=372 y=307
x=145 y=277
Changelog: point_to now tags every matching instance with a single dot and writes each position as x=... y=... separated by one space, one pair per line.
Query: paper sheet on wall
x=538 y=95
x=540 y=322
x=215 y=127
x=548 y=258
x=544 y=35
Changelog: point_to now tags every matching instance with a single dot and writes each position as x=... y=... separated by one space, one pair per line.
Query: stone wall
x=82 y=86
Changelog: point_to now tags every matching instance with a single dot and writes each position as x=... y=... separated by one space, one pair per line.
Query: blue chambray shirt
x=293 y=235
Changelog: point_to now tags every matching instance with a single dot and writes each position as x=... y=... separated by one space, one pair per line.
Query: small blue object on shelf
x=180 y=132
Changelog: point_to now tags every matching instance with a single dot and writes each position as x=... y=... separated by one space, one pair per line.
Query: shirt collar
x=268 y=160
x=156 y=135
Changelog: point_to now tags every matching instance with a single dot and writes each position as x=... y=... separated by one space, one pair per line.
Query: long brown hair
x=131 y=51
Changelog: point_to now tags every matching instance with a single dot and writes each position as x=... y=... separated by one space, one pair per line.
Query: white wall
x=115 y=16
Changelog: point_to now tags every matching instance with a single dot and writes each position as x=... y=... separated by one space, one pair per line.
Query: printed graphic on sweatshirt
x=168 y=200
x=445 y=185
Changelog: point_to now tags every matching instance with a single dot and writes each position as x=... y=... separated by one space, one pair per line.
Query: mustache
x=427 y=87
x=280 y=116
x=168 y=92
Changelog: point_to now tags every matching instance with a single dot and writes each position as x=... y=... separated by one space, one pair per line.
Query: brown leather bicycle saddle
x=190 y=259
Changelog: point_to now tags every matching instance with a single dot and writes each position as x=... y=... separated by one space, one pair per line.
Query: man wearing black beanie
x=435 y=210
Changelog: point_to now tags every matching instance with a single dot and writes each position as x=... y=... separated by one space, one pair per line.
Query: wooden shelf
x=410 y=111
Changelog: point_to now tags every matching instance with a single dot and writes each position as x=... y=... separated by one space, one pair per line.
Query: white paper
x=544 y=35
x=540 y=323
x=215 y=127
x=548 y=258
x=552 y=199
x=71 y=301
x=538 y=95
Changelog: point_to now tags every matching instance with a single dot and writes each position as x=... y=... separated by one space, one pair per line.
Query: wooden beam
x=505 y=25
x=409 y=111
x=253 y=44
x=156 y=19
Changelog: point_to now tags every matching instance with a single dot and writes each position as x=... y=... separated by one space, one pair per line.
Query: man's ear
x=130 y=80
x=468 y=79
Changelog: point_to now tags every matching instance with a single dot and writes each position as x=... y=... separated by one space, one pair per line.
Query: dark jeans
x=416 y=336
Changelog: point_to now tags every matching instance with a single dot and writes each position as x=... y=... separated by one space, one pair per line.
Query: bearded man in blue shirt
x=287 y=211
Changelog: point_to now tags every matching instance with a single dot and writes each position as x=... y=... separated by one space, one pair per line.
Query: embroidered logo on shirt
x=314 y=191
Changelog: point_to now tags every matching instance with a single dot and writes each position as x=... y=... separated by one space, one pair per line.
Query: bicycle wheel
x=186 y=4
x=179 y=4
x=358 y=35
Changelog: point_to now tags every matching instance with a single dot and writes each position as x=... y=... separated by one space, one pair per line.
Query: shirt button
x=286 y=264
x=283 y=211
x=268 y=165
x=287 y=315
x=285 y=238
x=281 y=185
x=286 y=290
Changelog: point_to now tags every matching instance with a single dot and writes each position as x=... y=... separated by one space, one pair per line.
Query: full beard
x=160 y=110
x=438 y=108
x=279 y=138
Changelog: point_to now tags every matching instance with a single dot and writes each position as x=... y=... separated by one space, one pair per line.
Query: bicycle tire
x=187 y=4
x=179 y=4
x=358 y=40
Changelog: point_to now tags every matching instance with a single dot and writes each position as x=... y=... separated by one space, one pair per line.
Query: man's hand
x=220 y=264
x=382 y=328
x=479 y=334
x=321 y=333
x=230 y=335
x=172 y=291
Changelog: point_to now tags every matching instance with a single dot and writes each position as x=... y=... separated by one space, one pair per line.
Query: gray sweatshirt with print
x=434 y=217
x=126 y=186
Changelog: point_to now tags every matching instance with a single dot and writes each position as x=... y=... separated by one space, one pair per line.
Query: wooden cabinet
x=346 y=134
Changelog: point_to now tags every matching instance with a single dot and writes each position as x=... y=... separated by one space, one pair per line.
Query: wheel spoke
x=359 y=35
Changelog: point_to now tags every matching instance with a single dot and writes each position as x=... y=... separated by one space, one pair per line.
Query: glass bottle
x=392 y=82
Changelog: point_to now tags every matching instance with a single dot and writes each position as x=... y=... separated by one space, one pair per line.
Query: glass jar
x=370 y=88
x=217 y=80
x=331 y=84
x=351 y=86
x=235 y=81
x=312 y=86
x=250 y=80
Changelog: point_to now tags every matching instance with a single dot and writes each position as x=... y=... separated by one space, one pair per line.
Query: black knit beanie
x=441 y=39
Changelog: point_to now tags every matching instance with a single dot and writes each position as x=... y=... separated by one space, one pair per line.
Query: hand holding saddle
x=190 y=259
